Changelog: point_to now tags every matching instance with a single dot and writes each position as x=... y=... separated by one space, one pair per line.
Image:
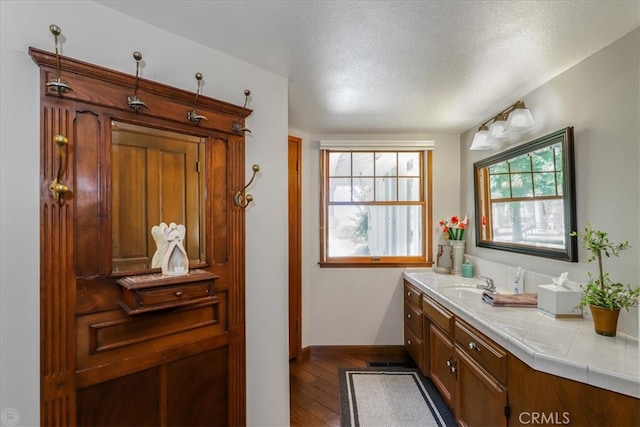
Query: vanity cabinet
x=480 y=369
x=440 y=364
x=413 y=325
x=484 y=384
x=468 y=369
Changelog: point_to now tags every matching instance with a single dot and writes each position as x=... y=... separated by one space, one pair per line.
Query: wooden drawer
x=438 y=314
x=481 y=349
x=172 y=294
x=141 y=294
x=413 y=319
x=413 y=345
x=412 y=294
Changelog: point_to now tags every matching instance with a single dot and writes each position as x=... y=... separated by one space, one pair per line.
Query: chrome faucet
x=489 y=286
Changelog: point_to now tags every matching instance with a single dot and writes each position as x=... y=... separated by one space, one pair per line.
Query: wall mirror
x=525 y=198
x=156 y=176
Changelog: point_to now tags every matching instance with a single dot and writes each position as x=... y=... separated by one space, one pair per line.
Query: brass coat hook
x=56 y=187
x=132 y=100
x=192 y=116
x=240 y=198
x=237 y=126
x=57 y=84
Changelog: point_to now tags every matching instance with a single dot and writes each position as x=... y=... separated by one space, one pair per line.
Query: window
x=374 y=208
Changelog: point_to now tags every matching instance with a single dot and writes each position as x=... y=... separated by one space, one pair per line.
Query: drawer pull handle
x=178 y=294
x=409 y=294
x=452 y=366
x=409 y=316
x=409 y=342
x=473 y=346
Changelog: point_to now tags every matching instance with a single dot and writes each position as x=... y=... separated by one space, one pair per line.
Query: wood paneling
x=99 y=365
x=198 y=392
x=131 y=400
x=57 y=290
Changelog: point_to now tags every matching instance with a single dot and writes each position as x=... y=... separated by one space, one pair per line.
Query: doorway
x=295 y=246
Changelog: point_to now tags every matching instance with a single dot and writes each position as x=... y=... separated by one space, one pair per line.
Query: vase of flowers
x=453 y=229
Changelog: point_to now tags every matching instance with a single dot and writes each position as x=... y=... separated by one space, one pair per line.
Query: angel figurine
x=175 y=261
x=157 y=231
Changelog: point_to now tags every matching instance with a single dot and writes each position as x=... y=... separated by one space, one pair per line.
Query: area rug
x=390 y=397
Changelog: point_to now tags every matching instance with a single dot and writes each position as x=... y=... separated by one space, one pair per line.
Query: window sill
x=377 y=264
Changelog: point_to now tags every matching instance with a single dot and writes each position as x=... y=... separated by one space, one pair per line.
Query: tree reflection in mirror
x=525 y=198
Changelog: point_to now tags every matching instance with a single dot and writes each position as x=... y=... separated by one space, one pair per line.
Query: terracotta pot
x=605 y=321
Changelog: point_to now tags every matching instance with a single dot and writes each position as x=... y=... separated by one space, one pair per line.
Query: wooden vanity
x=485 y=384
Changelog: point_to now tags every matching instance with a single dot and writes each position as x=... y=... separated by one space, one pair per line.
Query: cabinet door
x=440 y=369
x=481 y=400
x=413 y=345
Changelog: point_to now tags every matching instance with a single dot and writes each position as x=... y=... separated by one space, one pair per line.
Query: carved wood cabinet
x=136 y=353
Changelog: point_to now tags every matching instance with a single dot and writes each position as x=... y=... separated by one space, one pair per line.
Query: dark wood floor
x=314 y=380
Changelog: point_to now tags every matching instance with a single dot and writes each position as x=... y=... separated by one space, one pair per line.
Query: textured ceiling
x=397 y=66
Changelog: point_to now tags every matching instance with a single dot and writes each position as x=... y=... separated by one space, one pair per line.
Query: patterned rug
x=390 y=397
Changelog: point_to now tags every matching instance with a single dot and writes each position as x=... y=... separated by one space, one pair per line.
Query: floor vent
x=398 y=364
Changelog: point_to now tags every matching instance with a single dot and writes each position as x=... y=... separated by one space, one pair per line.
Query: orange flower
x=454 y=228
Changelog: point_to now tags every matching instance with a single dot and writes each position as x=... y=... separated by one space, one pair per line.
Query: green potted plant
x=604 y=297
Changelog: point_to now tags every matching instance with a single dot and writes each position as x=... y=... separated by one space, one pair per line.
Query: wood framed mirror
x=525 y=198
x=156 y=176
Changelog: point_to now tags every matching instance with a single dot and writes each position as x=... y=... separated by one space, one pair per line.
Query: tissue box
x=558 y=301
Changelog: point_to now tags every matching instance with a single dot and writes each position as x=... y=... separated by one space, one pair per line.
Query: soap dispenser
x=518 y=281
x=467 y=268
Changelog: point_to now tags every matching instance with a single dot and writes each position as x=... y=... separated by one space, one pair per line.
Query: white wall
x=99 y=35
x=363 y=306
x=600 y=98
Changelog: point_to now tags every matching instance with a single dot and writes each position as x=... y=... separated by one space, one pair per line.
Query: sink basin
x=462 y=293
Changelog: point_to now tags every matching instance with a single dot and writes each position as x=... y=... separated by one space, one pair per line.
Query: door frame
x=295 y=245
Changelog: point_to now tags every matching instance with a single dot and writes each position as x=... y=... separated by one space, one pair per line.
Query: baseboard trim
x=304 y=354
x=369 y=350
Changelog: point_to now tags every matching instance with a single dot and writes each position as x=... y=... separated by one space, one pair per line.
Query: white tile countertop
x=568 y=348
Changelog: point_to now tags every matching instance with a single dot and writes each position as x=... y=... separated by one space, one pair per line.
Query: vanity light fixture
x=132 y=100
x=192 y=116
x=520 y=118
x=57 y=84
x=498 y=129
x=514 y=119
x=481 y=139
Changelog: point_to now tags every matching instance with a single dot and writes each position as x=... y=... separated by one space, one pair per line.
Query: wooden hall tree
x=177 y=357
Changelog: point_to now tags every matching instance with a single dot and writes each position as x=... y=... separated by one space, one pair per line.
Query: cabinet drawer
x=413 y=345
x=172 y=294
x=150 y=292
x=413 y=318
x=481 y=349
x=412 y=294
x=438 y=314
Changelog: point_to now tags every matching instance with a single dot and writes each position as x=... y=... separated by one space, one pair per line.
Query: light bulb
x=520 y=119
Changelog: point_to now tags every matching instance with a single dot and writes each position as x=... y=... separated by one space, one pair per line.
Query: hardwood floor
x=314 y=384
